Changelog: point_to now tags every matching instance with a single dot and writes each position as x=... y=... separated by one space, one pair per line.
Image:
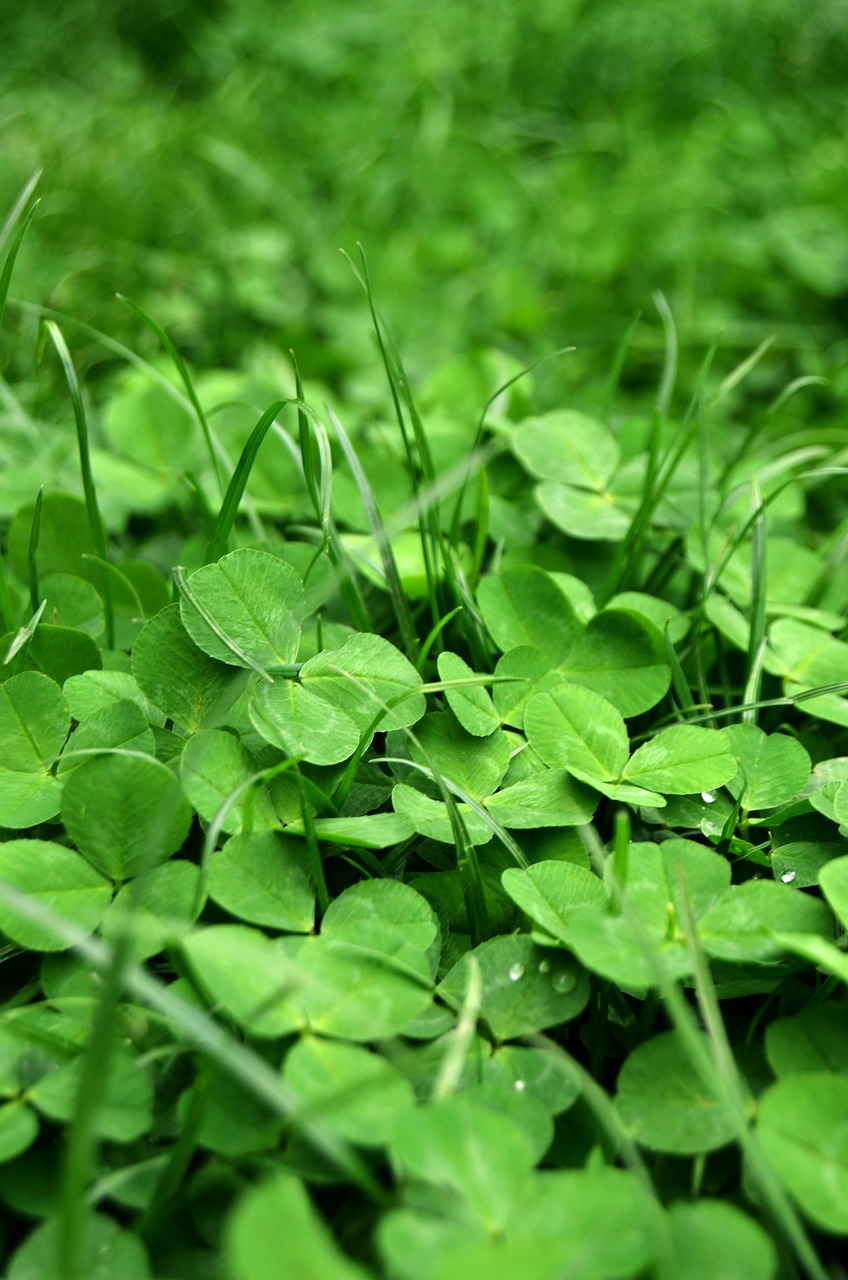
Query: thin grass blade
x=185 y=376
x=89 y=489
x=32 y=548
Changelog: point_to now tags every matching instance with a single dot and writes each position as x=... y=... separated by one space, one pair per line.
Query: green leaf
x=28 y=798
x=682 y=759
x=245 y=610
x=252 y=979
x=525 y=988
x=275 y=1230
x=465 y=1148
x=365 y=831
x=431 y=818
x=124 y=1109
x=475 y=764
x=386 y=917
x=234 y=1121
x=72 y=602
x=18 y=1129
x=802 y=1122
x=125 y=813
x=582 y=514
x=550 y=893
x=472 y=706
x=548 y=799
x=598 y=1224
x=355 y=1091
x=545 y=1073
x=303 y=725
x=56 y=877
x=121 y=725
x=213 y=766
x=57 y=652
x=576 y=729
x=531 y=673
x=817 y=1040
x=157 y=907
x=65 y=543
x=94 y=690
x=833 y=879
x=107 y=1251
x=740 y=926
x=567 y=446
x=34 y=722
x=773 y=768
x=665 y=1105
x=177 y=676
x=622 y=657
x=525 y=607
x=807 y=658
x=362 y=677
x=354 y=992
x=800 y=862
x=713 y=1240
x=262 y=877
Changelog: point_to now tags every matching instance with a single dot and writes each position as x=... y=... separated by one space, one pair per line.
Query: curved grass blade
x=229 y=507
x=419 y=458
x=32 y=567
x=777 y=1202
x=481 y=426
x=185 y=376
x=24 y=634
x=400 y=604
x=7 y=615
x=94 y=521
x=459 y=1040
x=669 y=372
x=79 y=1157
x=629 y=547
x=617 y=369
x=9 y=264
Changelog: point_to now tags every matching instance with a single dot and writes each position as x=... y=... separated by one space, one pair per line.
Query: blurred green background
x=522 y=176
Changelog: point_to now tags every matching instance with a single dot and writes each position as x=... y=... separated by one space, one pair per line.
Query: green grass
x=423 y=784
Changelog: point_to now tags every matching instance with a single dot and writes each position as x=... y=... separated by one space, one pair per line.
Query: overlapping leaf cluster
x=394 y=896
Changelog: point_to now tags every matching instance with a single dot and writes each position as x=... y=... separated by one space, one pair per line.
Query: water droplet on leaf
x=788 y=877
x=516 y=971
x=544 y=966
x=520 y=1086
x=564 y=981
x=708 y=797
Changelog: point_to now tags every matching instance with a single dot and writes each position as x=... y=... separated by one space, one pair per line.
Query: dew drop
x=788 y=877
x=516 y=971
x=544 y=966
x=708 y=797
x=520 y=1086
x=563 y=982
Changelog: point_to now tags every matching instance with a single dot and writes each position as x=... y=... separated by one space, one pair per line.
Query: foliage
x=424 y=802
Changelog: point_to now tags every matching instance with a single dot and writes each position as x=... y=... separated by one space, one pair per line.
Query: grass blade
x=400 y=604
x=232 y=498
x=32 y=567
x=24 y=634
x=9 y=264
x=669 y=373
x=95 y=523
x=185 y=376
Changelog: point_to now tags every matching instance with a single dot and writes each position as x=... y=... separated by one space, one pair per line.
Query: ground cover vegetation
x=423 y=770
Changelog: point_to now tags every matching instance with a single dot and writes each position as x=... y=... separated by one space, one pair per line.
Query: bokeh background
x=522 y=176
